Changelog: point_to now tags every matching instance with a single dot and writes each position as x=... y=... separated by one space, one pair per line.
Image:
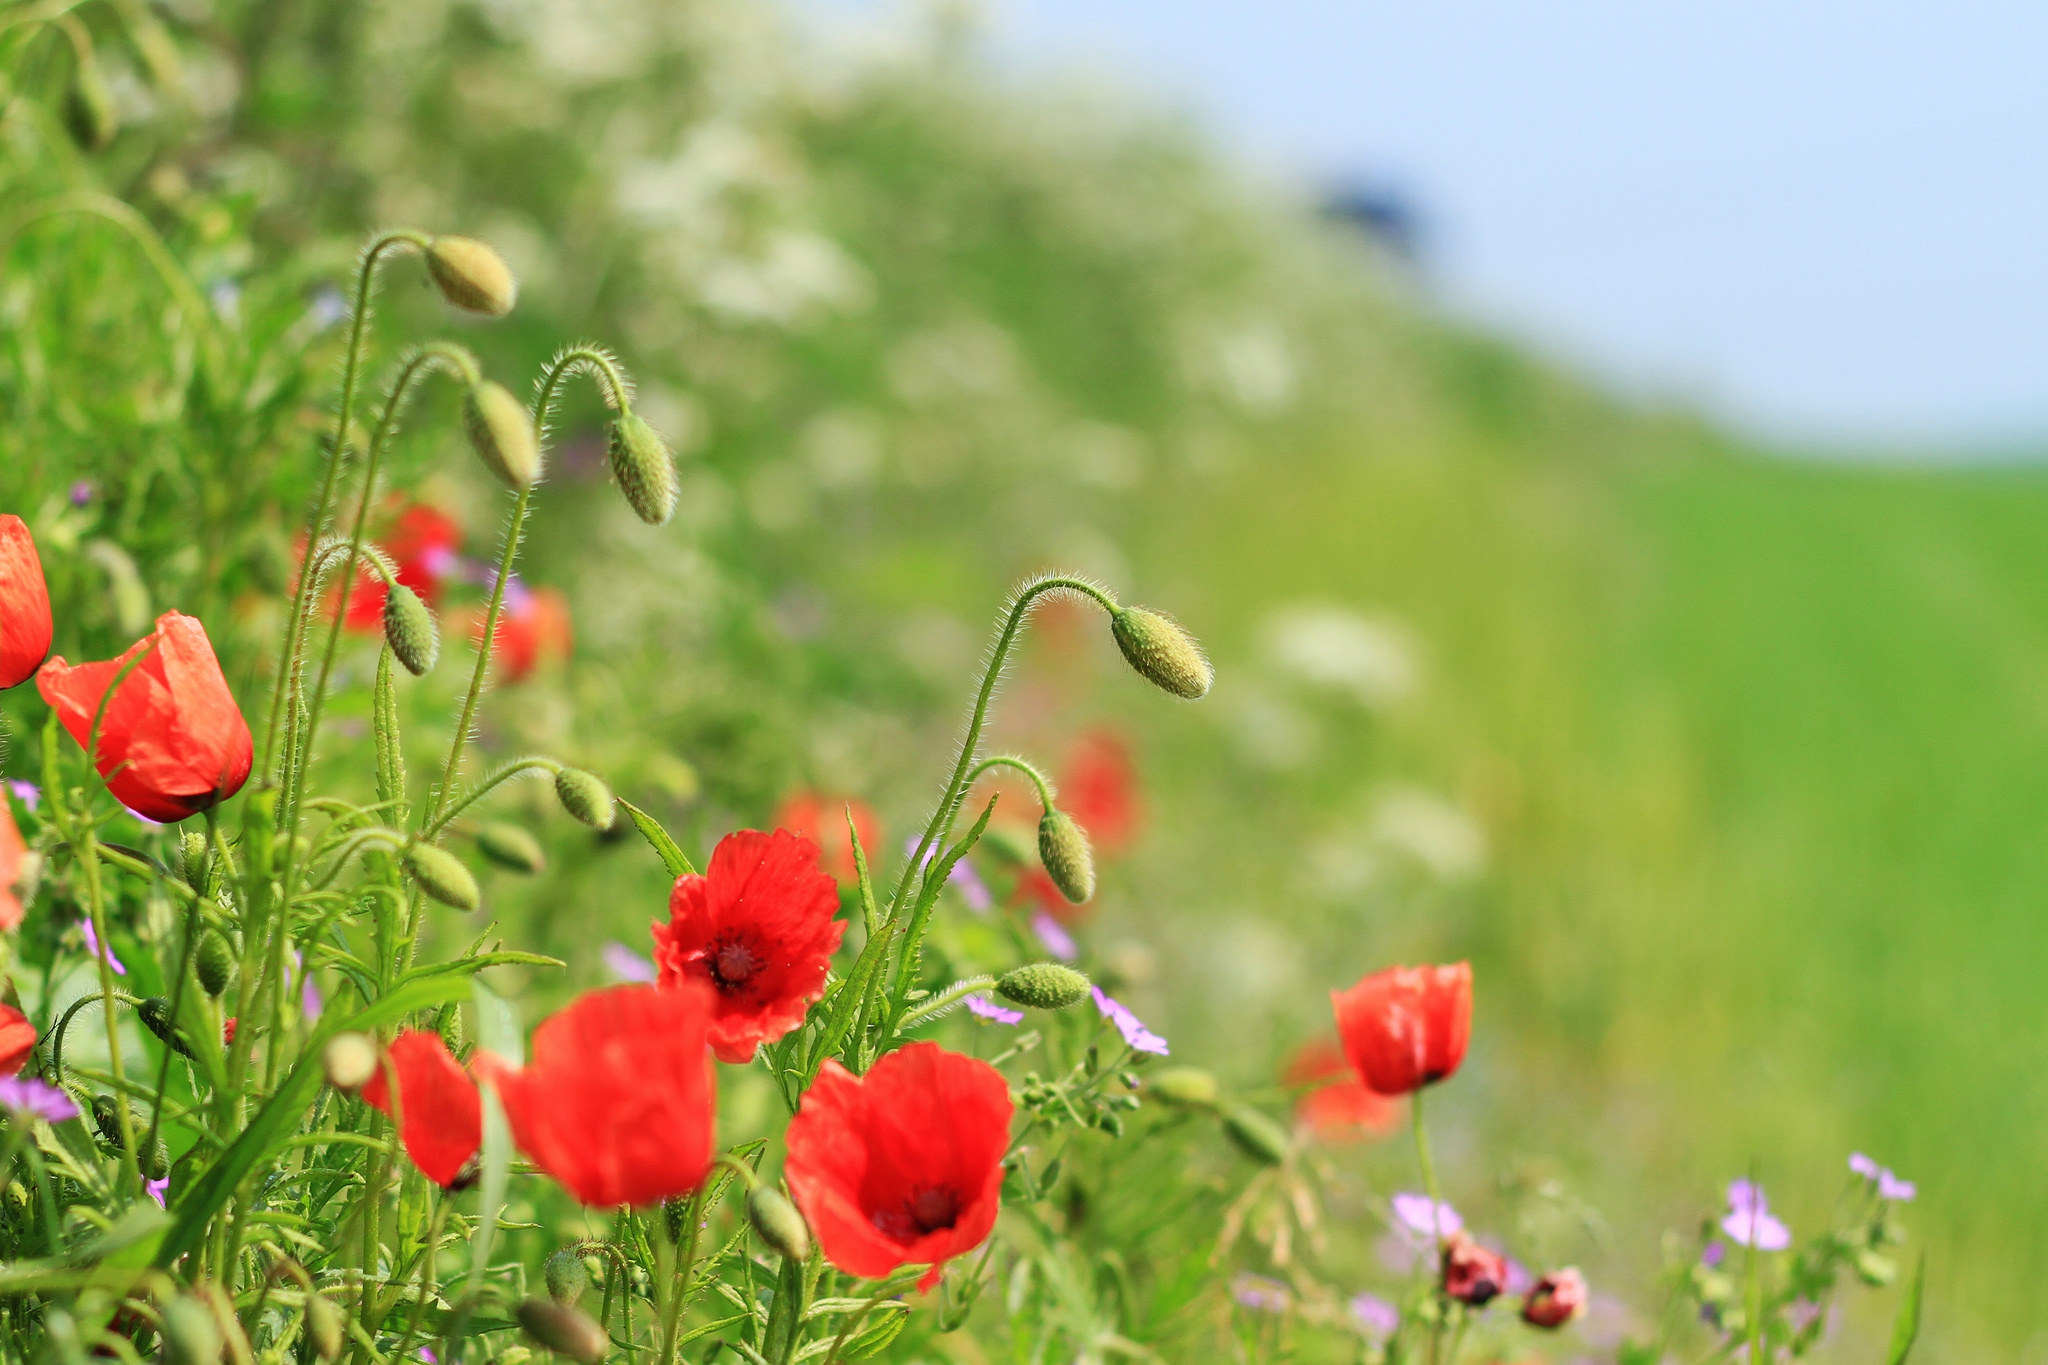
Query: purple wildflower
x=962 y=878
x=158 y=1190
x=1378 y=1317
x=1419 y=1215
x=92 y=945
x=1749 y=1222
x=310 y=1003
x=328 y=307
x=1803 y=1313
x=1712 y=1254
x=625 y=964
x=427 y=1355
x=1136 y=1035
x=1259 y=1294
x=142 y=819
x=1056 y=939
x=36 y=1098
x=28 y=793
x=984 y=1008
x=81 y=492
x=1889 y=1186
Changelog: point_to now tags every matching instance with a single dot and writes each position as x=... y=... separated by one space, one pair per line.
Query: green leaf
x=650 y=828
x=1907 y=1328
x=497 y=1031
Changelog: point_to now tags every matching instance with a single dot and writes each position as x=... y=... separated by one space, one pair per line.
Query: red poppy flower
x=1555 y=1299
x=227 y=1030
x=902 y=1166
x=423 y=542
x=24 y=604
x=1471 y=1273
x=173 y=741
x=1099 y=788
x=440 y=1117
x=822 y=820
x=758 y=928
x=12 y=852
x=1406 y=1027
x=17 y=1039
x=619 y=1099
x=1336 y=1106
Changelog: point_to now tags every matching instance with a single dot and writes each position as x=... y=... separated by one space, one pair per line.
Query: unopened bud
x=501 y=432
x=89 y=108
x=349 y=1060
x=191 y=1333
x=410 y=630
x=1063 y=849
x=1187 y=1086
x=472 y=275
x=214 y=961
x=441 y=875
x=193 y=859
x=566 y=1275
x=1257 y=1136
x=1165 y=654
x=325 y=1327
x=510 y=846
x=155 y=1014
x=644 y=466
x=1876 y=1269
x=563 y=1329
x=1043 y=986
x=1555 y=1299
x=585 y=796
x=155 y=1163
x=779 y=1223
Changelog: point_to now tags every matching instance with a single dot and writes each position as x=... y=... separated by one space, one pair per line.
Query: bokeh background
x=1609 y=506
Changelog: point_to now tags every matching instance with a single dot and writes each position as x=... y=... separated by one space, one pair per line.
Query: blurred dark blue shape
x=1383 y=213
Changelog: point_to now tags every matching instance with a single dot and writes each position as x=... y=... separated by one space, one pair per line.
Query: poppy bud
x=472 y=276
x=565 y=1330
x=1555 y=1299
x=1043 y=986
x=778 y=1223
x=566 y=1275
x=643 y=465
x=1165 y=654
x=155 y=1014
x=106 y=1116
x=191 y=1333
x=215 y=962
x=1256 y=1135
x=1471 y=1273
x=410 y=630
x=501 y=432
x=1063 y=848
x=349 y=1060
x=25 y=625
x=192 y=859
x=1187 y=1086
x=511 y=847
x=89 y=108
x=325 y=1326
x=442 y=876
x=585 y=796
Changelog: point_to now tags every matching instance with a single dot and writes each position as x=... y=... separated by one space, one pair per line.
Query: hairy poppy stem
x=1038 y=779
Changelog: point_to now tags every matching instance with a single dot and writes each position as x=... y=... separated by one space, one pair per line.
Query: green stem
x=97 y=912
x=1038 y=779
x=192 y=929
x=943 y=1001
x=485 y=787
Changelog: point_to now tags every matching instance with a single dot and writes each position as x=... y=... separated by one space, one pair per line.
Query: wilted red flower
x=17 y=1039
x=24 y=604
x=758 y=928
x=618 y=1101
x=12 y=851
x=1099 y=788
x=440 y=1117
x=902 y=1166
x=1471 y=1273
x=1555 y=1299
x=173 y=741
x=1406 y=1027
x=1337 y=1106
x=423 y=542
x=822 y=820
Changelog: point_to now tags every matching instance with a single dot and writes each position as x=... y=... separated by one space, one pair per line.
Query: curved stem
x=1038 y=779
x=943 y=1001
x=488 y=785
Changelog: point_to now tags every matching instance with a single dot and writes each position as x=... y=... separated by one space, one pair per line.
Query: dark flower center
x=732 y=963
x=928 y=1209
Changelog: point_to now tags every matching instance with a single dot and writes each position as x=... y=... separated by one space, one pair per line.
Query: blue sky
x=1827 y=222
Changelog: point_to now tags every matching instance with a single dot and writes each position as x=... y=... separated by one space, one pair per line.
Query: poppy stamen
x=732 y=964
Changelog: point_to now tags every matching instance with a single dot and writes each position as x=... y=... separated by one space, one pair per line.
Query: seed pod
x=1166 y=655
x=509 y=846
x=472 y=275
x=566 y=1275
x=779 y=1223
x=441 y=875
x=644 y=466
x=564 y=1329
x=155 y=1014
x=193 y=859
x=155 y=1164
x=89 y=108
x=215 y=962
x=1043 y=986
x=349 y=1060
x=501 y=432
x=1187 y=1086
x=585 y=796
x=1257 y=1136
x=191 y=1333
x=325 y=1327
x=1063 y=849
x=410 y=630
